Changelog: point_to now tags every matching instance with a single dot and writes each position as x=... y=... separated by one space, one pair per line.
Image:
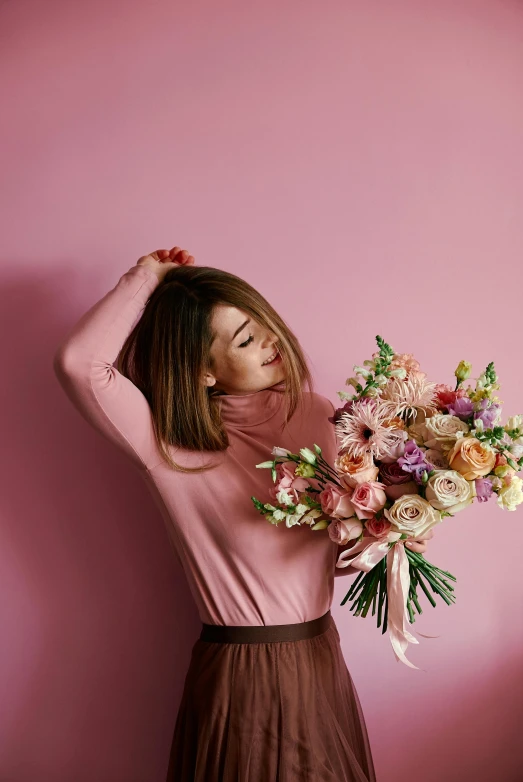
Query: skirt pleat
x=270 y=712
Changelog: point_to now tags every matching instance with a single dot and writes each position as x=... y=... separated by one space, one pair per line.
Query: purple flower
x=412 y=455
x=463 y=407
x=487 y=413
x=483 y=489
x=418 y=470
x=413 y=461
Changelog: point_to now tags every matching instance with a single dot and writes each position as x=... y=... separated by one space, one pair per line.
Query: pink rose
x=378 y=528
x=344 y=530
x=336 y=502
x=368 y=498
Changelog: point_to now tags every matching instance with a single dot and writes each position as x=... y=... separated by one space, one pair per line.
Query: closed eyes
x=247 y=341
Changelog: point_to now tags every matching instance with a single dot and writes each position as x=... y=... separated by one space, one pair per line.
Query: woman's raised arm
x=83 y=363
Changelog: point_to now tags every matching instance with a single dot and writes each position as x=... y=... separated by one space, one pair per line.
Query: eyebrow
x=240 y=328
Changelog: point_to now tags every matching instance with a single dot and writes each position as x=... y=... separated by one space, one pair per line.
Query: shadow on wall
x=96 y=610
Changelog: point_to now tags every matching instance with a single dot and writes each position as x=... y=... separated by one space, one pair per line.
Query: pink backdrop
x=360 y=163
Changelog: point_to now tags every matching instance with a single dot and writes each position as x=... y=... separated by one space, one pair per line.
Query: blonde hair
x=168 y=351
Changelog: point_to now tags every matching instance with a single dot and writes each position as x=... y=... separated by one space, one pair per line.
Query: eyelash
x=244 y=344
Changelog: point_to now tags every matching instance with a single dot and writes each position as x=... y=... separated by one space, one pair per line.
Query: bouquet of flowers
x=410 y=454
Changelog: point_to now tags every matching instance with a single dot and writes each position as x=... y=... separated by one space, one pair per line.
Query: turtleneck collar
x=250 y=409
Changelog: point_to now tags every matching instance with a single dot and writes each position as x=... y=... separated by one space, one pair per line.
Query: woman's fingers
x=175 y=255
x=180 y=256
x=419 y=546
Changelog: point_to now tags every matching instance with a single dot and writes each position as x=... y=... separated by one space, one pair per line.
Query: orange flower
x=471 y=458
x=356 y=469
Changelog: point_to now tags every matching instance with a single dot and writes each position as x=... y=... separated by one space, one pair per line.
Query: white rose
x=448 y=490
x=516 y=451
x=413 y=515
x=509 y=497
x=443 y=431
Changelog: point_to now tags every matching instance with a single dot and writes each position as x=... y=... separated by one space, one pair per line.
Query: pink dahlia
x=366 y=429
x=409 y=395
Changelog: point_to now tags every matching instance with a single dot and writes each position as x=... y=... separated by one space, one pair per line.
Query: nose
x=270 y=339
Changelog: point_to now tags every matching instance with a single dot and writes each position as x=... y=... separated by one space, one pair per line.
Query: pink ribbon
x=364 y=556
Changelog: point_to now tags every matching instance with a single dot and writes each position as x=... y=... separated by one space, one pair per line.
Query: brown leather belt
x=260 y=634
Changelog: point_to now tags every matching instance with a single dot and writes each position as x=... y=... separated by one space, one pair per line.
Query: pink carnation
x=445 y=395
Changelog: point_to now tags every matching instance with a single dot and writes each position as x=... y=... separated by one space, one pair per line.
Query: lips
x=271 y=359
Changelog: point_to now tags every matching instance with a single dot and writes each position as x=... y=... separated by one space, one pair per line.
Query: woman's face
x=240 y=351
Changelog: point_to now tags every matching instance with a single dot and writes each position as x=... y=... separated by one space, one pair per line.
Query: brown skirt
x=270 y=703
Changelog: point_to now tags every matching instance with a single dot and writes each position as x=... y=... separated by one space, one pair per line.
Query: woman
x=209 y=378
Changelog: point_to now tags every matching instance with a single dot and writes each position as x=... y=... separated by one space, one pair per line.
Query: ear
x=209 y=379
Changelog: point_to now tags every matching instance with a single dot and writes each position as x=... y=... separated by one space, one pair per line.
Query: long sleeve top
x=241 y=569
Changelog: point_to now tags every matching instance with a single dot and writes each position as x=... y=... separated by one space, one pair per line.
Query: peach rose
x=471 y=458
x=336 y=503
x=368 y=498
x=344 y=530
x=356 y=469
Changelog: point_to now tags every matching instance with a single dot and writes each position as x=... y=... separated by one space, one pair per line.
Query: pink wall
x=360 y=162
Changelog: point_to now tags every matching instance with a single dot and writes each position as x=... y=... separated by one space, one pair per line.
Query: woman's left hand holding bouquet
x=420 y=545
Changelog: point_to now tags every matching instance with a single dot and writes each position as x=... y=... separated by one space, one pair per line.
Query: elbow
x=63 y=362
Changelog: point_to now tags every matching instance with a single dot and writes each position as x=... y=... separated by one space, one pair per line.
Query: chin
x=279 y=377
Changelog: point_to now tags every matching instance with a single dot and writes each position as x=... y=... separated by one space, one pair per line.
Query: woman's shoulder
x=320 y=402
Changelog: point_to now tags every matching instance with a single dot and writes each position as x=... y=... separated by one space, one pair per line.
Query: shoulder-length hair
x=168 y=352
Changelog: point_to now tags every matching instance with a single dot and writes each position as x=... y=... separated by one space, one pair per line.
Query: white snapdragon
x=366 y=373
x=400 y=372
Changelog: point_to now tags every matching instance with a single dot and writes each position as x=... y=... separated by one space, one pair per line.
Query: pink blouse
x=241 y=569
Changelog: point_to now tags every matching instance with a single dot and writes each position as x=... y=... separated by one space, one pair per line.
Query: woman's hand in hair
x=161 y=261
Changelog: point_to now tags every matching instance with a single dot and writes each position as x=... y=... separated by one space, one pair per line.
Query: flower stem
x=427 y=593
x=372 y=591
x=383 y=588
x=352 y=590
